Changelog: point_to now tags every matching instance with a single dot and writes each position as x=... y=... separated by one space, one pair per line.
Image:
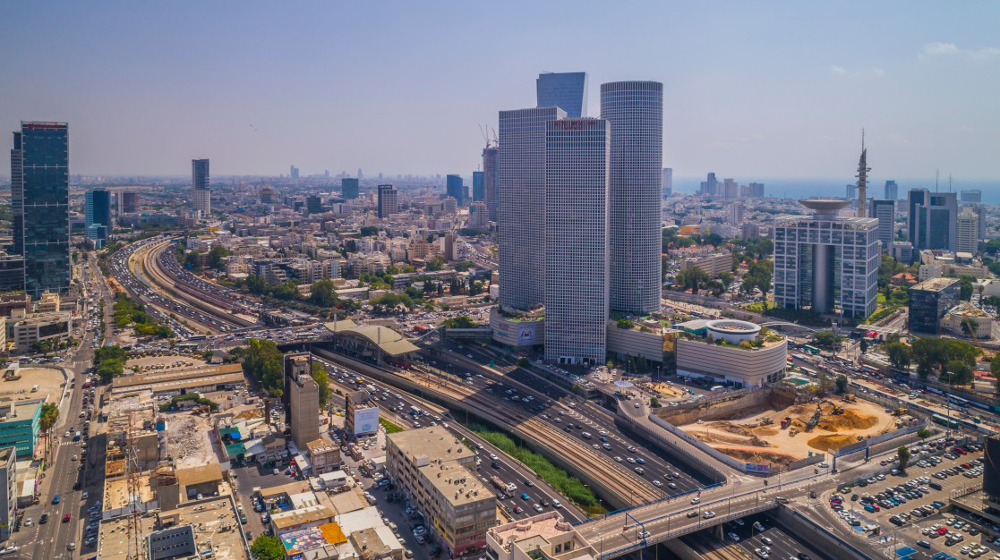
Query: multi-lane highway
x=399 y=405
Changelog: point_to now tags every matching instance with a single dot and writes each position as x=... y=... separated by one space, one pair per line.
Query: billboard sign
x=526 y=335
x=365 y=420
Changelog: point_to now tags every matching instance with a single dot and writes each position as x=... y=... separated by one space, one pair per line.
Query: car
x=767 y=541
x=43 y=519
x=71 y=545
x=695 y=500
x=692 y=513
x=734 y=537
x=55 y=499
x=518 y=509
x=924 y=544
x=760 y=552
x=644 y=534
x=708 y=514
x=525 y=496
x=66 y=518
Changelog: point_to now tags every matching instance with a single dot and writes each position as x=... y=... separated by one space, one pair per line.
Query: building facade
x=576 y=240
x=201 y=185
x=349 y=188
x=20 y=426
x=128 y=202
x=98 y=208
x=884 y=210
x=521 y=210
x=436 y=472
x=303 y=399
x=477 y=186
x=491 y=178
x=40 y=205
x=967 y=232
x=731 y=352
x=930 y=300
x=8 y=491
x=388 y=201
x=566 y=90
x=932 y=221
x=891 y=190
x=827 y=262
x=635 y=113
x=455 y=187
x=668 y=182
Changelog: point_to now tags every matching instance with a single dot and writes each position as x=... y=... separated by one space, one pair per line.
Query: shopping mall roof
x=388 y=341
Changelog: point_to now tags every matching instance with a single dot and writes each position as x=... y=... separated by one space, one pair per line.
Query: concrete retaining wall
x=831 y=546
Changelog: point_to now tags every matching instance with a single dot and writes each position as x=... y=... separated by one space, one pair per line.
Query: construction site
x=777 y=426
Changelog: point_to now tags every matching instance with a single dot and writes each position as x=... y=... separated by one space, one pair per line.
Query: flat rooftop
x=116 y=492
x=113 y=543
x=935 y=284
x=457 y=483
x=177 y=375
x=215 y=521
x=547 y=525
x=434 y=442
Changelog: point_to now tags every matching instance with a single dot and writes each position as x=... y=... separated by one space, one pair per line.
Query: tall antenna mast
x=937 y=176
x=949 y=182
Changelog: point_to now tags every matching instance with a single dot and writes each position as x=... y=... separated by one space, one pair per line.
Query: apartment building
x=435 y=470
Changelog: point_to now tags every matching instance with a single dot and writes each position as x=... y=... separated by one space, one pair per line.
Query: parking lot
x=912 y=509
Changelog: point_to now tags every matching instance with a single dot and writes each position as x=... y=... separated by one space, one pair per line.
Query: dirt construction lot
x=49 y=383
x=755 y=433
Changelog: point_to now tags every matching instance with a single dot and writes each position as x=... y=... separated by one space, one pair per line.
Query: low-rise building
x=713 y=265
x=930 y=300
x=324 y=456
x=518 y=330
x=361 y=414
x=433 y=468
x=731 y=352
x=26 y=330
x=19 y=425
x=966 y=319
x=544 y=536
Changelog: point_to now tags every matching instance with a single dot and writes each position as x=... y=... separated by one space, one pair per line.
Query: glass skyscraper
x=566 y=90
x=932 y=221
x=40 y=205
x=491 y=178
x=576 y=240
x=521 y=192
x=349 y=188
x=98 y=207
x=477 y=186
x=635 y=113
x=456 y=188
x=201 y=183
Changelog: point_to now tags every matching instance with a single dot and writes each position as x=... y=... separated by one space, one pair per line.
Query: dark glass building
x=456 y=188
x=929 y=301
x=314 y=205
x=40 y=205
x=477 y=186
x=99 y=209
x=349 y=188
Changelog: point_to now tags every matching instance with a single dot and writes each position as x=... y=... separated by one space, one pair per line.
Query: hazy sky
x=751 y=89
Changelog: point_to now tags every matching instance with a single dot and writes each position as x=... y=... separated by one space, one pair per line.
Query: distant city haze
x=750 y=90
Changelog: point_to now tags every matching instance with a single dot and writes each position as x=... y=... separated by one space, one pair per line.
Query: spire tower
x=862 y=176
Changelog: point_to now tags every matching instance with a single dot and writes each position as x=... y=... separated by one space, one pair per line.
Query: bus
x=811 y=349
x=197 y=337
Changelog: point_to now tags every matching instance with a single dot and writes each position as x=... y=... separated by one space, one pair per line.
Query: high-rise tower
x=863 y=170
x=566 y=90
x=200 y=183
x=635 y=112
x=576 y=240
x=39 y=164
x=491 y=177
x=521 y=193
x=388 y=201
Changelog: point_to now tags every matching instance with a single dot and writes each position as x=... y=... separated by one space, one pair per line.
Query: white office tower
x=635 y=112
x=885 y=212
x=735 y=212
x=521 y=212
x=827 y=262
x=968 y=232
x=576 y=240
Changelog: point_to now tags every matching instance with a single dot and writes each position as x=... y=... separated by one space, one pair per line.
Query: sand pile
x=849 y=420
x=832 y=442
x=766 y=431
x=758 y=457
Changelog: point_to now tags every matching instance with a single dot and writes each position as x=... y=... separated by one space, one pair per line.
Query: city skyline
x=796 y=111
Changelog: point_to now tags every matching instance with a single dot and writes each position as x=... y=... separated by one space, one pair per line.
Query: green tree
x=367 y=231
x=923 y=433
x=267 y=548
x=256 y=284
x=654 y=402
x=957 y=372
x=319 y=375
x=692 y=279
x=460 y=322
x=903 y=454
x=321 y=293
x=263 y=363
x=437 y=263
x=625 y=323
x=49 y=415
x=758 y=276
x=825 y=383
x=965 y=283
x=995 y=371
x=900 y=355
x=842 y=384
x=726 y=278
x=216 y=255
x=828 y=340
